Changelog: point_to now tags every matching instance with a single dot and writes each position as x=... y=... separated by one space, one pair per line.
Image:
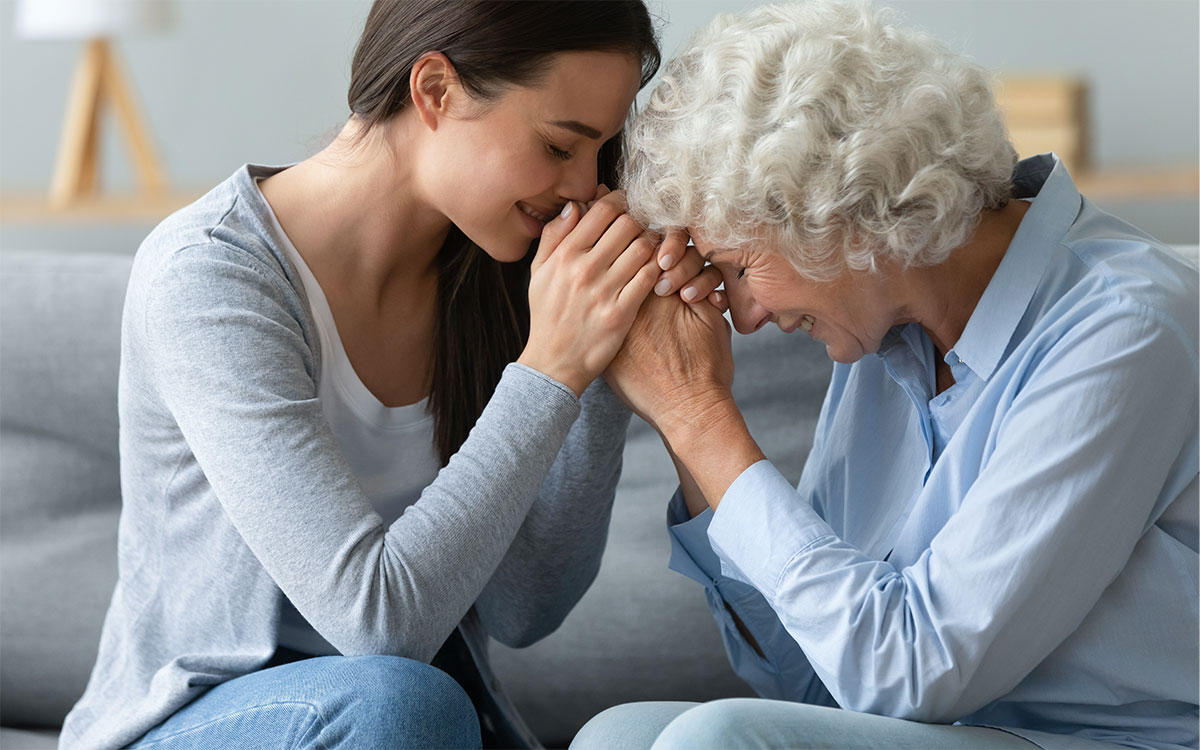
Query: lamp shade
x=84 y=19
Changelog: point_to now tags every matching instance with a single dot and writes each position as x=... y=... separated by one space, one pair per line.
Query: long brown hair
x=482 y=319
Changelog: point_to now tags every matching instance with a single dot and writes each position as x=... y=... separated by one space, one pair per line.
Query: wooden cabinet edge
x=117 y=208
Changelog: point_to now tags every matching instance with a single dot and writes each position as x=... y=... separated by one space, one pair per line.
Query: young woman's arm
x=556 y=554
x=227 y=360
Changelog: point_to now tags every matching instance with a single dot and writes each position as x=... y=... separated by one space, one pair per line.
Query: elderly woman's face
x=848 y=314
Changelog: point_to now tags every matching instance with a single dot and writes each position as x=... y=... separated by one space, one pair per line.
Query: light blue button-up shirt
x=1018 y=551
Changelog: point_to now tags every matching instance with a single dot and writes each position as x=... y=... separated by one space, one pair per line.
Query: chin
x=842 y=356
x=510 y=252
x=503 y=249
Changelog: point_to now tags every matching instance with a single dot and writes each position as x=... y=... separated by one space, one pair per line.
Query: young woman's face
x=501 y=172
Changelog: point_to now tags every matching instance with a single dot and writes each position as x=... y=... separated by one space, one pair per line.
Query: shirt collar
x=1054 y=209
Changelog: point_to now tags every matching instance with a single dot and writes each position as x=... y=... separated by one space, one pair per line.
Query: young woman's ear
x=433 y=85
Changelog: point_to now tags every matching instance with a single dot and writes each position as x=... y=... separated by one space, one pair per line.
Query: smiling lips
x=530 y=211
x=805 y=323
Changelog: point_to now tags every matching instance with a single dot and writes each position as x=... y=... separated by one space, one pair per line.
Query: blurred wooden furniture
x=1051 y=113
x=99 y=82
x=1047 y=113
x=110 y=208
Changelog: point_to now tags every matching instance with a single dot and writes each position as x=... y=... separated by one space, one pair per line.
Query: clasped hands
x=601 y=302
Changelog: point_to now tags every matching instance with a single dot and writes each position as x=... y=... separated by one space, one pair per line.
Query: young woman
x=327 y=448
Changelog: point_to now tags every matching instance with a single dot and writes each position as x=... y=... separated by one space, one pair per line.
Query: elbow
x=922 y=711
x=526 y=632
x=521 y=618
x=914 y=684
x=377 y=645
x=935 y=702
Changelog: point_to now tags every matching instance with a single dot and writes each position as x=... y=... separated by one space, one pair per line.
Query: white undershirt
x=389 y=449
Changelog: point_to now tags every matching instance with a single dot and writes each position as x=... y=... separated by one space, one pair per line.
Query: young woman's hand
x=681 y=263
x=590 y=275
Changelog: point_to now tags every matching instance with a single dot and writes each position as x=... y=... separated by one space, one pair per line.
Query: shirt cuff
x=691 y=553
x=760 y=526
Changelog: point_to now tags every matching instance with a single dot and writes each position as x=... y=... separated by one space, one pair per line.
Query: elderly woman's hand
x=675 y=363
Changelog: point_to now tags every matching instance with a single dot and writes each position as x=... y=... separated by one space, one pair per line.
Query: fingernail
x=690 y=293
x=662 y=287
x=566 y=212
x=665 y=262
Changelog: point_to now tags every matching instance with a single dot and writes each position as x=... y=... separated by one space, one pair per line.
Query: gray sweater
x=235 y=493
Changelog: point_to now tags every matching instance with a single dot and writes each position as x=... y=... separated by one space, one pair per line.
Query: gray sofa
x=641 y=633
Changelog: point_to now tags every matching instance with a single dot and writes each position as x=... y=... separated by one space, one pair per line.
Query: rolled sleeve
x=782 y=672
x=691 y=553
x=760 y=525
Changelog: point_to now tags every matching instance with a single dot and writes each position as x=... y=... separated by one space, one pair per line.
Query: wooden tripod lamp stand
x=98 y=82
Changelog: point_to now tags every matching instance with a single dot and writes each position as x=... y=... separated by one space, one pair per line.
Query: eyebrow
x=579 y=127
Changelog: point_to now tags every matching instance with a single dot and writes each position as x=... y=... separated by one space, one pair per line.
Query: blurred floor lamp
x=98 y=81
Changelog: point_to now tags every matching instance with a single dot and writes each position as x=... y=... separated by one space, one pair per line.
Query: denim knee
x=630 y=726
x=390 y=701
x=716 y=724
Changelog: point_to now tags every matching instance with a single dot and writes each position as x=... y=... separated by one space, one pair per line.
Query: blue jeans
x=758 y=723
x=327 y=702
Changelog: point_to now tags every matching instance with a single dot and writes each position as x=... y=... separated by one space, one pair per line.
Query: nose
x=578 y=179
x=748 y=316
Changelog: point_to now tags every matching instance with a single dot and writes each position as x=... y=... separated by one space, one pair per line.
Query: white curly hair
x=822 y=132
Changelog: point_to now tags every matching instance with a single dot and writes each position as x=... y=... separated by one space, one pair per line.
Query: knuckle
x=626 y=223
x=609 y=210
x=617 y=197
x=608 y=319
x=643 y=247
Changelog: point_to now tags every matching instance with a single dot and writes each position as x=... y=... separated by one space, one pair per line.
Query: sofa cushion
x=59 y=474
x=22 y=739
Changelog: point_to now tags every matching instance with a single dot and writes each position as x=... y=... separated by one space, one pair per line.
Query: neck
x=945 y=295
x=355 y=213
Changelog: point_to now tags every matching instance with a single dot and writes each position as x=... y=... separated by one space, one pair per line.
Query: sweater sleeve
x=556 y=554
x=230 y=362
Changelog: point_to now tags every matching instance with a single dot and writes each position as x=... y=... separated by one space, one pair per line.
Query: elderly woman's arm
x=1060 y=509
x=759 y=647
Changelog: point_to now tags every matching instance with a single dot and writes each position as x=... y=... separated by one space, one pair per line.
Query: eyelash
x=557 y=152
x=741 y=272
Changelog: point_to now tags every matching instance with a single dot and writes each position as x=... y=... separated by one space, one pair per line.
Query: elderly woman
x=994 y=540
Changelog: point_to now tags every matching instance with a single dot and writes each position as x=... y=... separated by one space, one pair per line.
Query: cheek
x=483 y=169
x=770 y=295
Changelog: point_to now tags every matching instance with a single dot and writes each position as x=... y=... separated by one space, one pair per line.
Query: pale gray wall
x=264 y=81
